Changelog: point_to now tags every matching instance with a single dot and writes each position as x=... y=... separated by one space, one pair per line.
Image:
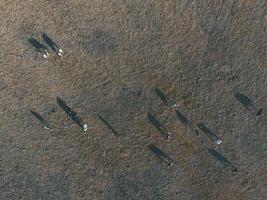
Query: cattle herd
x=198 y=128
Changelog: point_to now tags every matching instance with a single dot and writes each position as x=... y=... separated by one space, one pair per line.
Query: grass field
x=116 y=52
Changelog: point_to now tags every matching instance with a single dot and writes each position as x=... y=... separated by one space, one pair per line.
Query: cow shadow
x=153 y=120
x=248 y=103
x=186 y=122
x=107 y=124
x=209 y=133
